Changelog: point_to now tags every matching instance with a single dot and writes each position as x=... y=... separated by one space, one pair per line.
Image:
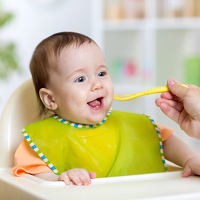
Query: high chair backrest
x=20 y=110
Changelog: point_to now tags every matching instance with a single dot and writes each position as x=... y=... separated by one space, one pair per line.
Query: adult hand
x=182 y=105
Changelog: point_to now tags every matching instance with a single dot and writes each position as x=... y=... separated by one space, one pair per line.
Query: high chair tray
x=169 y=185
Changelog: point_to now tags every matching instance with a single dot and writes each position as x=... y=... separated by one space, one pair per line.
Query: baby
x=84 y=139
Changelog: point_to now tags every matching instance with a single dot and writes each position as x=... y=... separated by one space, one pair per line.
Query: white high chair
x=20 y=110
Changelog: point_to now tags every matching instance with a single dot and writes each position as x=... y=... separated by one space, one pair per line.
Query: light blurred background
x=144 y=42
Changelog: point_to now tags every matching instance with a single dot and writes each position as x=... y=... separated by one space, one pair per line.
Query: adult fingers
x=167 y=95
x=170 y=96
x=176 y=105
x=176 y=88
x=194 y=87
x=170 y=112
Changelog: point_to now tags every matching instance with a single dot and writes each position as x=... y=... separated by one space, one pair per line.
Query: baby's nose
x=97 y=84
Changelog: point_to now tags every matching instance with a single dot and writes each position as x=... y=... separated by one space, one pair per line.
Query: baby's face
x=81 y=87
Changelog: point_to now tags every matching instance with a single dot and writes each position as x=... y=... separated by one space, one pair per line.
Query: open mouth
x=96 y=104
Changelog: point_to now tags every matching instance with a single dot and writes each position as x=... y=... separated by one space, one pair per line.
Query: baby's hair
x=45 y=58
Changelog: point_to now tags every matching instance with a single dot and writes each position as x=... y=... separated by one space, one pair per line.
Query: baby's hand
x=192 y=167
x=77 y=176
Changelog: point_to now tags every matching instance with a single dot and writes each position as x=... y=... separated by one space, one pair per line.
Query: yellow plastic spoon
x=127 y=97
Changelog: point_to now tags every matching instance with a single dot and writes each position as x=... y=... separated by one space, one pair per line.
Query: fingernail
x=79 y=183
x=68 y=183
x=86 y=183
x=171 y=82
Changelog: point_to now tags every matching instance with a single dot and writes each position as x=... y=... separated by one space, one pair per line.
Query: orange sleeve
x=27 y=161
x=165 y=132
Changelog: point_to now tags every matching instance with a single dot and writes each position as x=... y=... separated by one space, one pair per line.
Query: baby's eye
x=101 y=73
x=80 y=79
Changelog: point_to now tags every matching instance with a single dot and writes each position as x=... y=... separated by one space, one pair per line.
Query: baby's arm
x=180 y=153
x=27 y=161
x=77 y=176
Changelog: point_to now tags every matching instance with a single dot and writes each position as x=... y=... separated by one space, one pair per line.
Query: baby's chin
x=93 y=121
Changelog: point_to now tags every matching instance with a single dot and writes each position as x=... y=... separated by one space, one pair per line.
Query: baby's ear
x=47 y=98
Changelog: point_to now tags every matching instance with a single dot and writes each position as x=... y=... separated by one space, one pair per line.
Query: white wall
x=32 y=23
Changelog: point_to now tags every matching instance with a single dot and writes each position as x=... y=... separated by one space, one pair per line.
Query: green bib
x=123 y=144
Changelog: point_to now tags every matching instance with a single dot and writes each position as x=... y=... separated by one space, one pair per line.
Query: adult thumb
x=176 y=88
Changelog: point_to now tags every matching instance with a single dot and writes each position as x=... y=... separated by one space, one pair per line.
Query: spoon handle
x=153 y=91
x=128 y=97
x=156 y=90
x=150 y=91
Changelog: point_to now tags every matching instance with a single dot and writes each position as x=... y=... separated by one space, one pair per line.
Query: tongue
x=94 y=103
